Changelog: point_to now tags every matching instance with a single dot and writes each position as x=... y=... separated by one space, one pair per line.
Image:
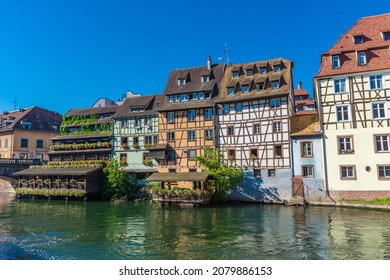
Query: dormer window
x=205 y=79
x=200 y=95
x=181 y=82
x=275 y=84
x=260 y=86
x=358 y=40
x=362 y=58
x=386 y=36
x=277 y=68
x=230 y=90
x=235 y=74
x=176 y=98
x=335 y=61
x=249 y=72
x=170 y=98
x=245 y=88
x=263 y=70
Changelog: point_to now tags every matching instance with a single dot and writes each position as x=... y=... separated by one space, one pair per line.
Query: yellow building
x=26 y=133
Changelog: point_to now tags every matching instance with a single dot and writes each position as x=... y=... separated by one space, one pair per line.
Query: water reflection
x=43 y=229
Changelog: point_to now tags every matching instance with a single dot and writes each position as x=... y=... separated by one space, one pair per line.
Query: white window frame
x=340 y=85
x=382 y=143
x=345 y=144
x=191 y=115
x=362 y=58
x=277 y=126
x=348 y=113
x=184 y=97
x=376 y=82
x=205 y=79
x=181 y=82
x=349 y=174
x=191 y=135
x=380 y=111
x=336 y=61
x=275 y=103
x=385 y=172
x=308 y=171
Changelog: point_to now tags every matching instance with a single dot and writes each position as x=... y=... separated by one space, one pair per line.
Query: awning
x=175 y=177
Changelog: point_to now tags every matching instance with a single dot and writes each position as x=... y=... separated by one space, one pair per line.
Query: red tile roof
x=298 y=92
x=377 y=49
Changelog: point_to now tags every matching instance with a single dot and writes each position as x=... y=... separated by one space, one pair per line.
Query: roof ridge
x=194 y=67
x=265 y=60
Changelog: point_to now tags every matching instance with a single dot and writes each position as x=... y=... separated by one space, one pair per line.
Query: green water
x=42 y=229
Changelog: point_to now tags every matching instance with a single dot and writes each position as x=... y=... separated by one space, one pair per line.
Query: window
x=271 y=172
x=308 y=171
x=176 y=98
x=256 y=128
x=275 y=103
x=235 y=74
x=345 y=144
x=226 y=109
x=193 y=96
x=260 y=86
x=191 y=169
x=386 y=36
x=263 y=70
x=230 y=90
x=123 y=159
x=6 y=143
x=201 y=95
x=277 y=127
x=336 y=61
x=184 y=97
x=381 y=143
x=171 y=136
x=342 y=113
x=26 y=125
x=278 y=151
x=362 y=58
x=339 y=86
x=135 y=140
x=347 y=172
x=208 y=114
x=249 y=72
x=24 y=143
x=191 y=154
x=245 y=89
x=253 y=154
x=376 y=82
x=191 y=114
x=238 y=107
x=231 y=154
x=230 y=130
x=275 y=84
x=170 y=98
x=257 y=173
x=124 y=142
x=148 y=140
x=171 y=170
x=171 y=117
x=39 y=143
x=23 y=156
x=378 y=110
x=137 y=123
x=276 y=68
x=155 y=139
x=181 y=82
x=191 y=135
x=384 y=172
x=205 y=79
x=358 y=40
x=208 y=134
x=307 y=149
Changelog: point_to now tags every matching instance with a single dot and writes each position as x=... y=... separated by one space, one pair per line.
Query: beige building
x=353 y=93
x=26 y=133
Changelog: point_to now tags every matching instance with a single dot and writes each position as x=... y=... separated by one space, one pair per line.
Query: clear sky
x=66 y=54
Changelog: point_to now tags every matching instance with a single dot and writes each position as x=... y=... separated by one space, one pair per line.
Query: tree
x=117 y=184
x=225 y=177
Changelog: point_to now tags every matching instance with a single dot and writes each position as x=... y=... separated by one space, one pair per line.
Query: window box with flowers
x=136 y=146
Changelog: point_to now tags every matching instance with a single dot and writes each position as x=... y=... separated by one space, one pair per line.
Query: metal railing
x=12 y=161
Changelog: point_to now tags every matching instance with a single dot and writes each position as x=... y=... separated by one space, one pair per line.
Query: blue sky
x=66 y=54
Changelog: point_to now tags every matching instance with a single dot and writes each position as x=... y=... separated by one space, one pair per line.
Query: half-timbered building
x=135 y=131
x=186 y=123
x=353 y=91
x=254 y=109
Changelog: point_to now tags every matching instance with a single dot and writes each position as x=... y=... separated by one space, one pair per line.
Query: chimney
x=208 y=62
x=299 y=85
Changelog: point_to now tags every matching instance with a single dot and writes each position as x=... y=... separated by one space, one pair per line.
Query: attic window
x=249 y=72
x=230 y=90
x=260 y=86
x=275 y=84
x=181 y=82
x=263 y=70
x=26 y=125
x=358 y=40
x=245 y=88
x=235 y=74
x=276 y=68
x=386 y=36
x=205 y=79
x=137 y=109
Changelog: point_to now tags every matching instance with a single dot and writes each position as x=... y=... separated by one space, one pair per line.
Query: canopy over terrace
x=88 y=179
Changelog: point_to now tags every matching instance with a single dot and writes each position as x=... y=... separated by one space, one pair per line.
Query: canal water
x=76 y=230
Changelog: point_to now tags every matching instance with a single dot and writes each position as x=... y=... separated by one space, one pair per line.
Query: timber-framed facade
x=353 y=90
x=254 y=110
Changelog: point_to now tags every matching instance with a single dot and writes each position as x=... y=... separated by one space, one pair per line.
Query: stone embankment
x=5 y=186
x=327 y=201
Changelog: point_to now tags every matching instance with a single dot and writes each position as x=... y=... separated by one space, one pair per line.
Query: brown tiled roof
x=377 y=49
x=298 y=92
x=181 y=176
x=308 y=102
x=284 y=76
x=147 y=102
x=41 y=119
x=91 y=111
x=193 y=84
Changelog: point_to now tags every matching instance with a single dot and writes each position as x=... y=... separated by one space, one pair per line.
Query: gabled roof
x=145 y=102
x=193 y=84
x=284 y=76
x=40 y=119
x=377 y=49
x=92 y=111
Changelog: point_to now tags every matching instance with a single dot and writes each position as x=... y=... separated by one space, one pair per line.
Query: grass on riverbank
x=385 y=201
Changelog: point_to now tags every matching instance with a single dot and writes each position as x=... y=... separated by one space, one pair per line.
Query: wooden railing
x=12 y=161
